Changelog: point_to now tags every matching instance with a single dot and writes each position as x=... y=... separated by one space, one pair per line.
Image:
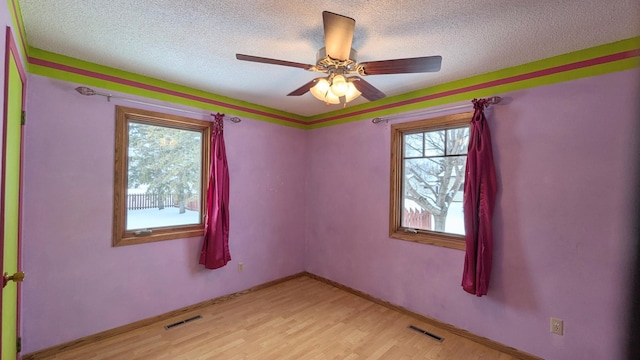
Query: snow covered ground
x=152 y=218
x=455 y=219
x=170 y=216
x=455 y=216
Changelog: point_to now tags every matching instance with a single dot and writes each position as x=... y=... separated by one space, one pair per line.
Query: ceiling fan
x=338 y=59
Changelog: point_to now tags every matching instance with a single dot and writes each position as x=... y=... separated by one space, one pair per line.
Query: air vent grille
x=182 y=322
x=425 y=332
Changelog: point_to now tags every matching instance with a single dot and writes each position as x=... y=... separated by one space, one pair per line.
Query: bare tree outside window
x=433 y=177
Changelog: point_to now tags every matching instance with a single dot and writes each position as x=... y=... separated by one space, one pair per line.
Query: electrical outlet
x=557 y=326
x=240 y=267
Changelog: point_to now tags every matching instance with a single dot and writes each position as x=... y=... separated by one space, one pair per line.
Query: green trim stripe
x=136 y=91
x=365 y=111
x=65 y=68
x=73 y=70
x=595 y=70
x=69 y=69
x=17 y=23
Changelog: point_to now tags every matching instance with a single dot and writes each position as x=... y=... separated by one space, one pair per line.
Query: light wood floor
x=298 y=319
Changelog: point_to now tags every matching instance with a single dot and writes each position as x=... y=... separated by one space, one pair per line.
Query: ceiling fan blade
x=368 y=91
x=338 y=35
x=400 y=66
x=273 y=61
x=304 y=88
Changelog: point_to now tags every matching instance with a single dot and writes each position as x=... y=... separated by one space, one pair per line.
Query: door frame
x=11 y=51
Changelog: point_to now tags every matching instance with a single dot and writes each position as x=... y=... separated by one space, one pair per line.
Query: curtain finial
x=486 y=102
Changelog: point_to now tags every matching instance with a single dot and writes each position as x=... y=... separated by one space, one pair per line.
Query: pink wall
x=563 y=155
x=78 y=284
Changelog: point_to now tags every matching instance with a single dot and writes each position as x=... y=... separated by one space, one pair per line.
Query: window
x=428 y=159
x=161 y=175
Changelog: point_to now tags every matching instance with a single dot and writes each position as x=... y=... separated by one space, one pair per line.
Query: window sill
x=131 y=239
x=431 y=238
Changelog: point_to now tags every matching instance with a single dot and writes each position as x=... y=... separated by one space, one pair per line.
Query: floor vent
x=425 y=332
x=182 y=322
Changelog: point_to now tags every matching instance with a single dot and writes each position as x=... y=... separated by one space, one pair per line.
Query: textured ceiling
x=194 y=43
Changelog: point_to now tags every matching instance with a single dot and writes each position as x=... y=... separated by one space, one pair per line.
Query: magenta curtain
x=480 y=189
x=215 y=248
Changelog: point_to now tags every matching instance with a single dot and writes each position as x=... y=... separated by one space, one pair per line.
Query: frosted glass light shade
x=339 y=85
x=352 y=92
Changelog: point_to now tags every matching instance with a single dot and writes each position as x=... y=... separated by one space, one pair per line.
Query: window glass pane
x=164 y=176
x=434 y=143
x=432 y=194
x=457 y=141
x=413 y=144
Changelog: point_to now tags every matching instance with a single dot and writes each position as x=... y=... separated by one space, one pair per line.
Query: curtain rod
x=83 y=90
x=492 y=101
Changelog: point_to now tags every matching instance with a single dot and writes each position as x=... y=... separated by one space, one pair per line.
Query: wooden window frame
x=123 y=115
x=396 y=230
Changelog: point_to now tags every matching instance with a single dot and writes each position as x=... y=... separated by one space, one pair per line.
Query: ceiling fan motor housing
x=325 y=63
